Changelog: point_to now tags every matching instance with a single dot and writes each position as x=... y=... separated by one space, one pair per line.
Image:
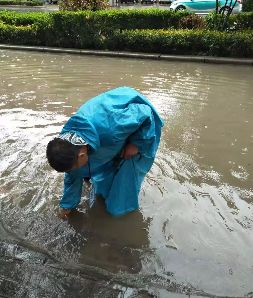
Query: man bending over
x=110 y=141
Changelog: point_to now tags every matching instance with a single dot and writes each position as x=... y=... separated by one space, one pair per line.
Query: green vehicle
x=206 y=6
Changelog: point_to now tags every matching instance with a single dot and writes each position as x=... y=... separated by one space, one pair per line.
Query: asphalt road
x=53 y=7
x=44 y=8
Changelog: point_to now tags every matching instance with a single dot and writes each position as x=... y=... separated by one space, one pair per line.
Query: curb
x=182 y=58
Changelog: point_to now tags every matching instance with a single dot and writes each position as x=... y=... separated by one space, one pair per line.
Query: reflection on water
x=193 y=233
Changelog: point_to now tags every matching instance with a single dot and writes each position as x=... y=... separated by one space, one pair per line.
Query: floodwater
x=193 y=234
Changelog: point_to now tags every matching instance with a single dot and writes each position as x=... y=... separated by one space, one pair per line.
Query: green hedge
x=98 y=30
x=17 y=35
x=139 y=19
x=22 y=2
x=247 y=5
x=191 y=42
x=24 y=19
x=236 y=22
x=105 y=19
x=110 y=20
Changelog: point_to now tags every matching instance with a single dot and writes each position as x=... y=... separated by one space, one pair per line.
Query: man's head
x=64 y=156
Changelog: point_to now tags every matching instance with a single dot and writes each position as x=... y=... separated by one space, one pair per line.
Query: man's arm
x=72 y=193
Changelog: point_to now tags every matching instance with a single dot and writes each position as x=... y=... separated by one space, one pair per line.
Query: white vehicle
x=206 y=6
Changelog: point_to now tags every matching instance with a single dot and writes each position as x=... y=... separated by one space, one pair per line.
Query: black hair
x=62 y=155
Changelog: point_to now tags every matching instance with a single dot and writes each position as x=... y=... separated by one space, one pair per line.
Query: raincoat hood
x=82 y=127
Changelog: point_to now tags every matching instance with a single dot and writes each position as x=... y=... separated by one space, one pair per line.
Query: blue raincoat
x=107 y=123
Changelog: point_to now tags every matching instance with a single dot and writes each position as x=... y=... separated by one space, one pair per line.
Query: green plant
x=192 y=21
x=75 y=5
x=34 y=3
x=247 y=5
x=193 y=42
x=17 y=35
x=23 y=19
x=241 y=21
x=122 y=30
x=22 y=2
x=139 y=19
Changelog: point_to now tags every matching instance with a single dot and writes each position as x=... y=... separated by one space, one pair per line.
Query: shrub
x=22 y=2
x=192 y=21
x=199 y=42
x=113 y=30
x=247 y=5
x=139 y=19
x=23 y=19
x=241 y=21
x=107 y=21
x=75 y=29
x=34 y=3
x=17 y=35
x=75 y=5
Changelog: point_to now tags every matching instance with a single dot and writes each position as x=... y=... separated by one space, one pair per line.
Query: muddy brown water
x=193 y=233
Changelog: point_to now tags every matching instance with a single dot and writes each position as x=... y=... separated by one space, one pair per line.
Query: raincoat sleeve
x=72 y=191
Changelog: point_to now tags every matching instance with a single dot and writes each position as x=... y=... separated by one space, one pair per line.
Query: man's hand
x=64 y=213
x=129 y=151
